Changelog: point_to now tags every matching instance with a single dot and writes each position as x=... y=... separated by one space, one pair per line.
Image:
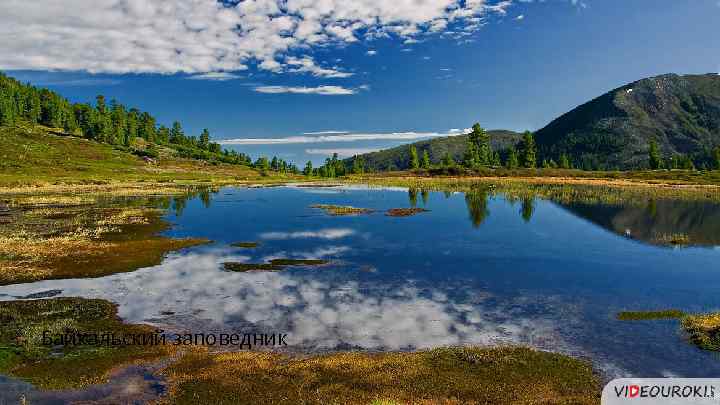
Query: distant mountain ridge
x=681 y=113
x=398 y=158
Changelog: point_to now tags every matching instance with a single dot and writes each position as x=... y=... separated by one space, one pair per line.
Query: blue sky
x=377 y=73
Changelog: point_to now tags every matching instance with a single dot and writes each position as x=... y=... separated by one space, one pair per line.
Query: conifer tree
x=529 y=152
x=425 y=164
x=414 y=161
x=654 y=156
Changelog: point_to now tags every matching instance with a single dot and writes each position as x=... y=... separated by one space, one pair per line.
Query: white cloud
x=347 y=137
x=327 y=234
x=321 y=90
x=325 y=132
x=216 y=76
x=201 y=36
x=371 y=53
x=520 y=17
x=343 y=153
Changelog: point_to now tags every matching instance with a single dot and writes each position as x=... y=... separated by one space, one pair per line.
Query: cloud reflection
x=319 y=309
x=330 y=233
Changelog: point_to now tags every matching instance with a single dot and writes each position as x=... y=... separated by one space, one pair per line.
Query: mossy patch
x=49 y=241
x=508 y=375
x=245 y=267
x=273 y=265
x=245 y=245
x=704 y=330
x=404 y=212
x=23 y=354
x=650 y=315
x=340 y=210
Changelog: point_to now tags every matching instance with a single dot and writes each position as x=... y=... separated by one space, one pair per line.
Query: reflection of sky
x=320 y=309
x=552 y=280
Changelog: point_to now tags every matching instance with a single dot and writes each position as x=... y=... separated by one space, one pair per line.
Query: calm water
x=473 y=270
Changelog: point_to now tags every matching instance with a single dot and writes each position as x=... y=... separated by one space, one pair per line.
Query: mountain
x=398 y=158
x=681 y=113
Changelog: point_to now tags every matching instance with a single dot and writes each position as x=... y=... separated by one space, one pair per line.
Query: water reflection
x=477 y=205
x=429 y=280
x=318 y=309
x=666 y=222
x=527 y=209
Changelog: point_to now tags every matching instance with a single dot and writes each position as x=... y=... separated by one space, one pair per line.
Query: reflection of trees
x=652 y=208
x=179 y=202
x=528 y=208
x=205 y=198
x=412 y=195
x=477 y=201
x=425 y=195
x=448 y=194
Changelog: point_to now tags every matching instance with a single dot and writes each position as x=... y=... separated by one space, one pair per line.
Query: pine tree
x=654 y=156
x=358 y=165
x=425 y=164
x=564 y=162
x=176 y=134
x=478 y=151
x=308 y=170
x=204 y=139
x=512 y=159
x=448 y=160
x=716 y=158
x=414 y=161
x=529 y=152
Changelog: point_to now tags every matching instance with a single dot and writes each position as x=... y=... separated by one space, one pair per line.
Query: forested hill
x=681 y=114
x=398 y=158
x=110 y=123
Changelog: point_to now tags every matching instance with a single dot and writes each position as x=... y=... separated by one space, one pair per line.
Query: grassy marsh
x=89 y=235
x=564 y=190
x=23 y=355
x=704 y=330
x=504 y=375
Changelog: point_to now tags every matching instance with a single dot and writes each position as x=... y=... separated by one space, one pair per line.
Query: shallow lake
x=475 y=269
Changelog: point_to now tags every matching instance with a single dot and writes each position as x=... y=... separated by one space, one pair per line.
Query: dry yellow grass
x=508 y=375
x=66 y=242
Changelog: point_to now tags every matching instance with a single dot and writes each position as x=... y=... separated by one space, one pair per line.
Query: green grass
x=32 y=155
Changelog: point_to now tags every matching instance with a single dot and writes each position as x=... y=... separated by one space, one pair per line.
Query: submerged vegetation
x=650 y=315
x=23 y=354
x=273 y=265
x=404 y=212
x=246 y=245
x=505 y=375
x=339 y=210
x=84 y=235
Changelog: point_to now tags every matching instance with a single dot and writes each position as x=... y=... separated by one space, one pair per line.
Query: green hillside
x=398 y=158
x=33 y=154
x=680 y=113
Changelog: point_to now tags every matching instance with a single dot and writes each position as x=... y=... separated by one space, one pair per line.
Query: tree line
x=115 y=124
